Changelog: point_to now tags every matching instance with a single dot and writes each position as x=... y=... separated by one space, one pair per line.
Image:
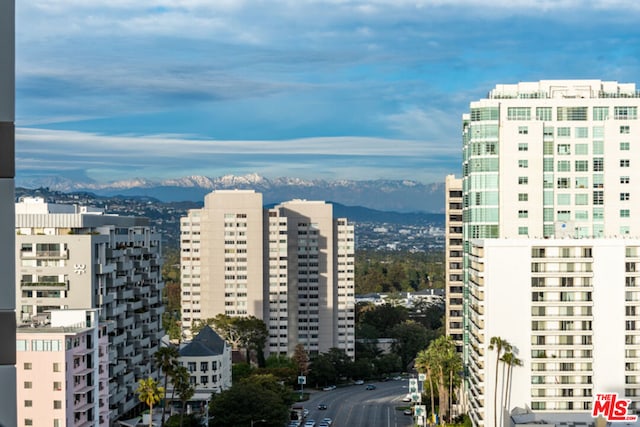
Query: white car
x=327 y=421
x=329 y=388
x=359 y=382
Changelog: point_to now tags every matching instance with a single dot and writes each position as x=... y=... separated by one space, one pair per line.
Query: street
x=354 y=406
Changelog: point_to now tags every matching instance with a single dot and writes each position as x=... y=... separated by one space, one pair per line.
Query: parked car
x=327 y=421
x=329 y=388
x=359 y=382
x=408 y=412
x=322 y=406
x=371 y=387
x=407 y=398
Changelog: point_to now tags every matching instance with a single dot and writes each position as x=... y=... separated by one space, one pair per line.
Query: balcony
x=100 y=268
x=125 y=294
x=63 y=254
x=134 y=305
x=45 y=286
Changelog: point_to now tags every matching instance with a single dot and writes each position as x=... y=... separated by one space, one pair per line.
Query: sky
x=317 y=89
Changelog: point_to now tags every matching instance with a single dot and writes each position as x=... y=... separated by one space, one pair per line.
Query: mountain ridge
x=387 y=195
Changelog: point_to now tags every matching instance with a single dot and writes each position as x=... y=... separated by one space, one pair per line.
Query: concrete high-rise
x=72 y=257
x=291 y=266
x=7 y=232
x=550 y=233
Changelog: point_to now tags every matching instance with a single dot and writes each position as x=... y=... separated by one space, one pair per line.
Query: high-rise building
x=550 y=247
x=291 y=266
x=7 y=232
x=71 y=257
x=453 y=259
x=63 y=369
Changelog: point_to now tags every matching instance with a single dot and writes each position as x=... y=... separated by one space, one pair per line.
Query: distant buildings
x=551 y=249
x=291 y=266
x=70 y=257
x=7 y=232
x=63 y=371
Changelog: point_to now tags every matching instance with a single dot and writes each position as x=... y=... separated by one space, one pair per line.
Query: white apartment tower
x=453 y=259
x=7 y=232
x=71 y=257
x=550 y=224
x=291 y=266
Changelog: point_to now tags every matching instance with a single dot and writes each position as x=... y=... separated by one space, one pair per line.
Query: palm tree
x=510 y=360
x=149 y=392
x=501 y=346
x=166 y=359
x=423 y=364
x=182 y=386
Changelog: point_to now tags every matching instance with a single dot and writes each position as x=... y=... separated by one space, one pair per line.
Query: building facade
x=548 y=169
x=7 y=231
x=62 y=371
x=69 y=257
x=291 y=266
x=453 y=260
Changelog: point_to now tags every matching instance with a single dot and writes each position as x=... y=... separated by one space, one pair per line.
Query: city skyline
x=325 y=89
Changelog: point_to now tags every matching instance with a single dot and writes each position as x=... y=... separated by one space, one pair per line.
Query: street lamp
x=257 y=421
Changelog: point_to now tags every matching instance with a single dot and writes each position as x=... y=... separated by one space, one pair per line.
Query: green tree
x=424 y=364
x=501 y=346
x=150 y=393
x=251 y=399
x=301 y=359
x=410 y=337
x=183 y=388
x=166 y=359
x=445 y=364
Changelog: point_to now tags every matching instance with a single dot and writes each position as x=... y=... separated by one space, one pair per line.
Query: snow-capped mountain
x=388 y=195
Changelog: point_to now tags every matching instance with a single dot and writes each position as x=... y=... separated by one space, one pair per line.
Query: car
x=407 y=398
x=322 y=406
x=323 y=424
x=370 y=387
x=327 y=420
x=398 y=378
x=329 y=388
x=310 y=423
x=359 y=382
x=305 y=413
x=408 y=412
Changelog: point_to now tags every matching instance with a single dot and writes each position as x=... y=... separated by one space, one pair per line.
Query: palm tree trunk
x=151 y=415
x=450 y=395
x=164 y=406
x=433 y=401
x=495 y=392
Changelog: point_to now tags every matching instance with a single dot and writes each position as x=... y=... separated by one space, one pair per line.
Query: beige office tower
x=7 y=232
x=291 y=266
x=70 y=257
x=453 y=260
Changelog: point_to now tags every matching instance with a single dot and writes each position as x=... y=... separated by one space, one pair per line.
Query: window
x=56 y=367
x=204 y=379
x=624 y=213
x=564 y=149
x=57 y=404
x=523 y=130
x=519 y=113
x=27 y=366
x=624 y=163
x=543 y=114
x=564 y=199
x=624 y=229
x=563 y=132
x=624 y=196
x=204 y=366
x=598 y=147
x=28 y=422
x=600 y=113
x=523 y=197
x=582 y=149
x=582 y=132
x=582 y=182
x=564 y=183
x=598 y=198
x=57 y=386
x=547 y=165
x=564 y=166
x=523 y=180
x=598 y=213
x=582 y=165
x=28 y=403
x=625 y=113
x=564 y=215
x=28 y=384
x=625 y=130
x=582 y=199
x=598 y=164
x=523 y=231
x=523 y=214
x=523 y=146
x=624 y=146
x=523 y=163
x=582 y=215
x=624 y=180
x=571 y=113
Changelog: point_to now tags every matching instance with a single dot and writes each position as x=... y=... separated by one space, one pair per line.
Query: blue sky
x=332 y=89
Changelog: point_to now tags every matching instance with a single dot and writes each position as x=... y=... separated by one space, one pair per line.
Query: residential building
x=72 y=257
x=548 y=173
x=208 y=360
x=63 y=371
x=7 y=232
x=291 y=266
x=453 y=260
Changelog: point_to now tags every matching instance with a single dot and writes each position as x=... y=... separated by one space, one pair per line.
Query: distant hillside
x=382 y=195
